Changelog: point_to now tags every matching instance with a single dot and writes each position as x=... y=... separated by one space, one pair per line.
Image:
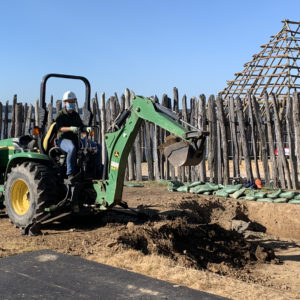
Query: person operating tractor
x=69 y=124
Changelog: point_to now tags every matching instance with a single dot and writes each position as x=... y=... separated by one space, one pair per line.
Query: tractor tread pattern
x=44 y=183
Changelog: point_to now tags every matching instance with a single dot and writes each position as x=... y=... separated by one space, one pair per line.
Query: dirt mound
x=200 y=246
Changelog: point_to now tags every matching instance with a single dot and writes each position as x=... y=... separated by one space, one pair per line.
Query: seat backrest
x=49 y=139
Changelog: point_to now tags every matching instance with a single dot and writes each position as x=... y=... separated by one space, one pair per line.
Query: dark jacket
x=67 y=119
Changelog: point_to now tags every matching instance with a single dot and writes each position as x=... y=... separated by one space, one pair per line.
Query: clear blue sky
x=147 y=46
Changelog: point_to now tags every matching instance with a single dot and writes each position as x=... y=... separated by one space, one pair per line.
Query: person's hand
x=88 y=129
x=74 y=129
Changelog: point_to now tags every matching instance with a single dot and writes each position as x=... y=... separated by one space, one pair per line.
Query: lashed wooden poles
x=242 y=131
x=284 y=171
x=296 y=120
x=194 y=122
x=262 y=137
x=13 y=117
x=253 y=136
x=274 y=166
x=149 y=153
x=28 y=126
x=50 y=113
x=234 y=141
x=291 y=144
x=5 y=131
x=18 y=119
x=1 y=119
x=103 y=131
x=212 y=139
x=202 y=126
x=224 y=143
x=198 y=115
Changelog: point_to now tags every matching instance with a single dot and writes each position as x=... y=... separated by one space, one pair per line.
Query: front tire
x=30 y=187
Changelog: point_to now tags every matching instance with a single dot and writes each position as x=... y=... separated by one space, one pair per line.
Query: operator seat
x=48 y=140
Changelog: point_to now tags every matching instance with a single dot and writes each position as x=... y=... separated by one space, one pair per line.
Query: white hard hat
x=69 y=96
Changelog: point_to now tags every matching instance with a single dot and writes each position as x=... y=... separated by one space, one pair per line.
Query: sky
x=146 y=46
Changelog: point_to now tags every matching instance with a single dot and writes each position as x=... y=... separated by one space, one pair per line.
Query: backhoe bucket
x=185 y=154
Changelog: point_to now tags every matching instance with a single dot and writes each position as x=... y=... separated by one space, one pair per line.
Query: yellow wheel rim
x=20 y=197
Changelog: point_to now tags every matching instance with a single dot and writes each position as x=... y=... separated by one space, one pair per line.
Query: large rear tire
x=30 y=187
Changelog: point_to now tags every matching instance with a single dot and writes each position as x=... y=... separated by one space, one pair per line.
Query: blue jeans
x=69 y=147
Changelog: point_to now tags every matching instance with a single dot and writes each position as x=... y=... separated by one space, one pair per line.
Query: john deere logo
x=116 y=154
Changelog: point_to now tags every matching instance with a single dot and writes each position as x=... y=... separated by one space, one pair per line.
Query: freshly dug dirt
x=237 y=249
x=196 y=246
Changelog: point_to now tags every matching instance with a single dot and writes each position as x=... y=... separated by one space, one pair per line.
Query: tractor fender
x=18 y=158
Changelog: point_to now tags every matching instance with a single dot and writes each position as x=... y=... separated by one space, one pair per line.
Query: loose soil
x=232 y=248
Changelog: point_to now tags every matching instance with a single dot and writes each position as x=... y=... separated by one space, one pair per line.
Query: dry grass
x=165 y=269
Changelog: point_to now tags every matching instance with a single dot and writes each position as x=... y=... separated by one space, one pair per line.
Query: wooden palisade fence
x=243 y=132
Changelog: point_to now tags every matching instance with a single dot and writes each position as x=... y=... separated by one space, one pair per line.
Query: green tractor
x=33 y=182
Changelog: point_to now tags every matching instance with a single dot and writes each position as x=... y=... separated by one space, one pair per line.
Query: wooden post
x=234 y=141
x=108 y=113
x=156 y=151
x=194 y=122
x=253 y=137
x=176 y=110
x=149 y=156
x=94 y=119
x=25 y=111
x=103 y=130
x=291 y=143
x=18 y=119
x=282 y=158
x=36 y=113
x=185 y=170
x=212 y=140
x=50 y=113
x=117 y=104
x=271 y=141
x=122 y=105
x=112 y=102
x=98 y=124
x=58 y=107
x=202 y=126
x=27 y=127
x=219 y=155
x=171 y=167
x=262 y=136
x=164 y=164
x=296 y=120
x=85 y=113
x=1 y=120
x=5 y=131
x=221 y=119
x=13 y=117
x=156 y=154
x=175 y=100
x=242 y=129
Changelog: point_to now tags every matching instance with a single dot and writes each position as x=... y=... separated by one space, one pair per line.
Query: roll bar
x=44 y=82
x=43 y=95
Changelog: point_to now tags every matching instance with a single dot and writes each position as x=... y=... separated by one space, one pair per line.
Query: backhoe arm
x=187 y=150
